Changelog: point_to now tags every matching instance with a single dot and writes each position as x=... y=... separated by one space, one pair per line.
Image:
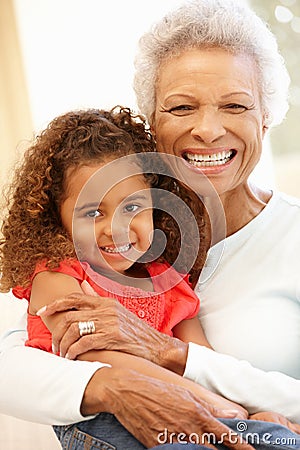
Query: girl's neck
x=136 y=276
x=140 y=277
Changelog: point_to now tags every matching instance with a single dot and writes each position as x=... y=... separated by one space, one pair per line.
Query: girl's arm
x=47 y=286
x=190 y=330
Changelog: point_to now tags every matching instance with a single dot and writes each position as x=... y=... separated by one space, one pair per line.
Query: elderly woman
x=211 y=82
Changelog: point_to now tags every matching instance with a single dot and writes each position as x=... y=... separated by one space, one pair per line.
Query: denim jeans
x=106 y=433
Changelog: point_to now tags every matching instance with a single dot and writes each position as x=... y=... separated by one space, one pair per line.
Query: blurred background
x=62 y=54
x=57 y=55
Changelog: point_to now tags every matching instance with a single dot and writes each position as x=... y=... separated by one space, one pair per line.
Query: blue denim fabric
x=106 y=433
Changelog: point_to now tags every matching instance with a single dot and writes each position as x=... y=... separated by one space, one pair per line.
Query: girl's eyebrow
x=87 y=205
x=131 y=197
x=135 y=197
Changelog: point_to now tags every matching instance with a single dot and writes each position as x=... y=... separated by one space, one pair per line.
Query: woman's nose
x=208 y=125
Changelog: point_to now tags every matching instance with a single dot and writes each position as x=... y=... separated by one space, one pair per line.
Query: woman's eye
x=180 y=110
x=130 y=208
x=236 y=107
x=93 y=214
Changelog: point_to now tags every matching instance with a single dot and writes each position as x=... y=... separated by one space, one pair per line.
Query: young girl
x=77 y=215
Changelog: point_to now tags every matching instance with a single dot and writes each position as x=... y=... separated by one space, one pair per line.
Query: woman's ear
x=265 y=124
x=152 y=126
x=264 y=129
x=153 y=133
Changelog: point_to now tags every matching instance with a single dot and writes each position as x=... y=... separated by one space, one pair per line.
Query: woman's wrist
x=94 y=397
x=105 y=388
x=173 y=355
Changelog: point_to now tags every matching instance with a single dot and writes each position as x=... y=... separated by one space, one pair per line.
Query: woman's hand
x=116 y=328
x=269 y=416
x=155 y=411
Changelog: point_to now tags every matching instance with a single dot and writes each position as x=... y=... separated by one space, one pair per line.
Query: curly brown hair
x=32 y=229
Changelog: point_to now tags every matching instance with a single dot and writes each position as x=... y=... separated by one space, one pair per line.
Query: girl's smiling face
x=111 y=230
x=208 y=112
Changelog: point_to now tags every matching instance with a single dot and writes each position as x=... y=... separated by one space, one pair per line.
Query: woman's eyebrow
x=231 y=94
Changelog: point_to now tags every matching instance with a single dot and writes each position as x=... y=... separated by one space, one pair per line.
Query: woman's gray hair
x=226 y=24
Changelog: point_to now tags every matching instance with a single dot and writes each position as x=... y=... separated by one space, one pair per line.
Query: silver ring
x=86 y=327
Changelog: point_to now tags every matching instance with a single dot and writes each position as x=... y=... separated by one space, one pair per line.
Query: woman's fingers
x=116 y=328
x=73 y=345
x=66 y=332
x=295 y=427
x=270 y=416
x=74 y=301
x=87 y=289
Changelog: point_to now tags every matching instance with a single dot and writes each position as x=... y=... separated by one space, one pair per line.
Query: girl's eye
x=93 y=214
x=130 y=208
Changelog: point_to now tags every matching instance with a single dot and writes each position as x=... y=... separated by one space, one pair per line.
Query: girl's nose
x=114 y=227
x=106 y=228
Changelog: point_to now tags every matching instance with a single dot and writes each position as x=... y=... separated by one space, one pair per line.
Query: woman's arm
x=37 y=386
x=150 y=408
x=56 y=284
x=120 y=330
x=144 y=367
x=45 y=388
x=255 y=389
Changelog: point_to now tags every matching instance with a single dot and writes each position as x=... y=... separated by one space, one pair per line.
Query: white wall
x=79 y=53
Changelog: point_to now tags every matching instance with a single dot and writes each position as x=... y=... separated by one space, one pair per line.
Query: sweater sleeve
x=242 y=383
x=38 y=386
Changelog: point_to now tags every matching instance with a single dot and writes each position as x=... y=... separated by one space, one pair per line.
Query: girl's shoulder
x=69 y=266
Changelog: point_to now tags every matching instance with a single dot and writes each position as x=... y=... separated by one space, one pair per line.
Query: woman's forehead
x=185 y=68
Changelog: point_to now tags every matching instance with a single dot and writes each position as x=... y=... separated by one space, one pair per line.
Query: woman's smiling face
x=208 y=113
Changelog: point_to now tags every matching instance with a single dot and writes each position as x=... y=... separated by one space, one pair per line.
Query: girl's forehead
x=97 y=179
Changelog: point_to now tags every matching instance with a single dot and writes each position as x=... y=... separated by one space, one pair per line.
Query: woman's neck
x=240 y=206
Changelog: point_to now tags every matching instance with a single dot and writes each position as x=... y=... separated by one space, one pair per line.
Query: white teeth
x=215 y=159
x=122 y=249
